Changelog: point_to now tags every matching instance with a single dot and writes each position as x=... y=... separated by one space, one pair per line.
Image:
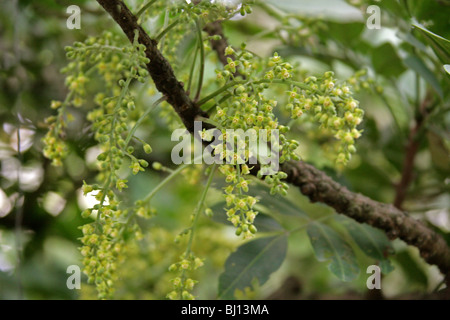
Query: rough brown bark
x=313 y=183
x=318 y=187
x=159 y=68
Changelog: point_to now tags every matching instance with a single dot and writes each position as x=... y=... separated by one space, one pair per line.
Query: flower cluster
x=110 y=124
x=100 y=256
x=240 y=207
x=245 y=101
x=101 y=242
x=247 y=108
x=113 y=64
x=148 y=258
x=109 y=57
x=330 y=104
x=144 y=210
x=212 y=11
x=182 y=285
x=178 y=14
x=55 y=147
x=279 y=68
x=245 y=63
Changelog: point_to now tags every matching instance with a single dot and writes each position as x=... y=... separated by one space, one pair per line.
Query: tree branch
x=410 y=154
x=313 y=183
x=159 y=68
x=318 y=187
x=219 y=46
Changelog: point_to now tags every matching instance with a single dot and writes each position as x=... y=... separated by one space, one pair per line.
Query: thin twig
x=202 y=60
x=145 y=7
x=411 y=150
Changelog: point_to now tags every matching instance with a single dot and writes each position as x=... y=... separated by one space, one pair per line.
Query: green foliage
x=386 y=60
x=245 y=107
x=342 y=97
x=328 y=245
x=414 y=272
x=440 y=45
x=277 y=204
x=372 y=242
x=257 y=259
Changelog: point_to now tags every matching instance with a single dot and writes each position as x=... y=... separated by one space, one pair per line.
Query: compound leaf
x=256 y=259
x=328 y=245
x=372 y=241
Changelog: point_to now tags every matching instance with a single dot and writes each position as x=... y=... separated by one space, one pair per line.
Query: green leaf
x=328 y=245
x=447 y=68
x=440 y=45
x=348 y=33
x=412 y=40
x=412 y=269
x=386 y=61
x=416 y=64
x=435 y=13
x=439 y=152
x=372 y=241
x=395 y=7
x=257 y=259
x=265 y=223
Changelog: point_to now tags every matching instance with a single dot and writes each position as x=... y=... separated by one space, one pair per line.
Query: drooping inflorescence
x=244 y=98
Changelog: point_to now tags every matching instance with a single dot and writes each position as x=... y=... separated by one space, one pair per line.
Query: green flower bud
x=172 y=295
x=104 y=138
x=86 y=188
x=198 y=263
x=209 y=212
x=187 y=296
x=173 y=267
x=189 y=284
x=247 y=56
x=147 y=148
x=143 y=163
x=185 y=264
x=240 y=89
x=85 y=213
x=121 y=143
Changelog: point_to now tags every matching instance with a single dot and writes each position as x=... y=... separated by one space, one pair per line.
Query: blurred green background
x=40 y=205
